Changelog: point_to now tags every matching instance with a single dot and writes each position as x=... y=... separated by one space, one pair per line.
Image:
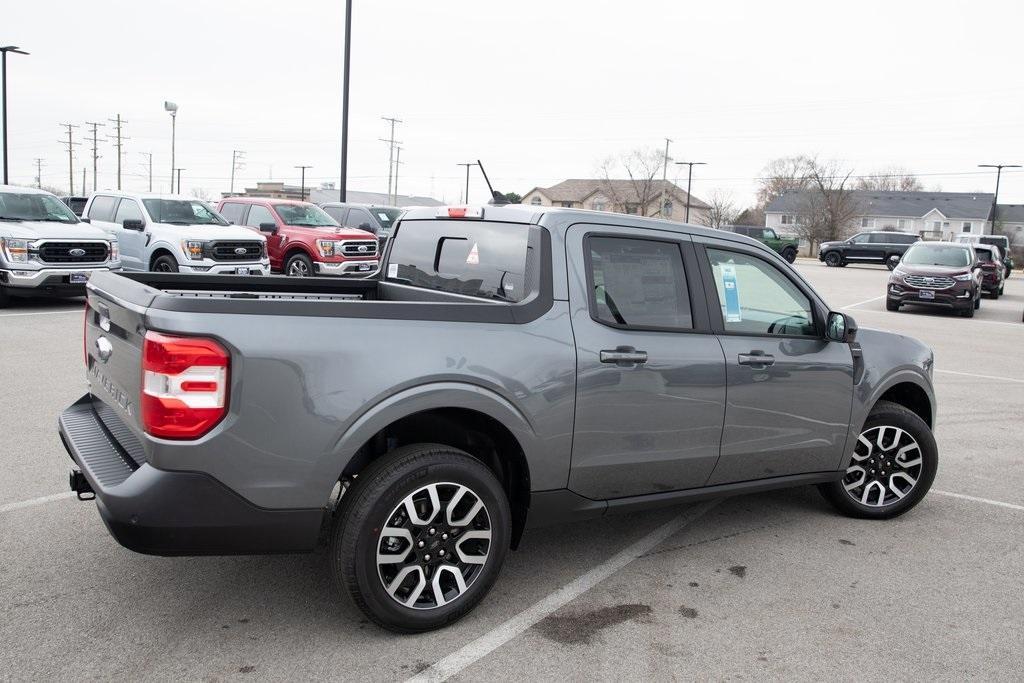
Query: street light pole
x=342 y=191
x=302 y=191
x=179 y=180
x=465 y=199
x=689 y=183
x=3 y=51
x=995 y=200
x=172 y=109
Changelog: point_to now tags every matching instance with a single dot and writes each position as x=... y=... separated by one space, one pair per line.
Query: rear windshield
x=983 y=255
x=999 y=241
x=475 y=258
x=937 y=255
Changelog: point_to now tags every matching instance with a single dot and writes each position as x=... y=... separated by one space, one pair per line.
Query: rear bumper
x=158 y=512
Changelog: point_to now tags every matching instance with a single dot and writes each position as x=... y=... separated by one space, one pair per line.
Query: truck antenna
x=497 y=198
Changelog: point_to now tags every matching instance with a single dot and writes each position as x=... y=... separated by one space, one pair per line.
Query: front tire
x=298 y=265
x=420 y=537
x=165 y=264
x=892 y=261
x=892 y=467
x=891 y=305
x=833 y=259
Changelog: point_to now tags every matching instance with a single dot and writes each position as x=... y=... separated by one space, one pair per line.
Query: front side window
x=360 y=218
x=638 y=283
x=128 y=210
x=258 y=215
x=306 y=215
x=475 y=258
x=182 y=212
x=756 y=298
x=769 y=234
x=26 y=206
x=862 y=238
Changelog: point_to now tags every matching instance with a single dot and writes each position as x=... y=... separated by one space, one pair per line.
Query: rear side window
x=232 y=212
x=475 y=258
x=102 y=208
x=907 y=239
x=360 y=218
x=638 y=283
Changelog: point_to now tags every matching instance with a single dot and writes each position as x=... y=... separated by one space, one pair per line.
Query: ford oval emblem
x=240 y=251
x=76 y=252
x=363 y=248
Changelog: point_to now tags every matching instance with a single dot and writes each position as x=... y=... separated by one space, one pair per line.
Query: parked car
x=510 y=368
x=170 y=233
x=1001 y=241
x=45 y=249
x=786 y=247
x=303 y=240
x=993 y=272
x=76 y=204
x=880 y=246
x=373 y=218
x=940 y=274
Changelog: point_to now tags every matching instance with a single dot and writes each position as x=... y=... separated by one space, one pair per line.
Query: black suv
x=868 y=247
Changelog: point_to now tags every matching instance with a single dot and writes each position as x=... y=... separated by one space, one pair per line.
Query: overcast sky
x=540 y=91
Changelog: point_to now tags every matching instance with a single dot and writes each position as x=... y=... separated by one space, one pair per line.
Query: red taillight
x=184 y=385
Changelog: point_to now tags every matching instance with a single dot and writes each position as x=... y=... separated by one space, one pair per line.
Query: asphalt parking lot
x=766 y=586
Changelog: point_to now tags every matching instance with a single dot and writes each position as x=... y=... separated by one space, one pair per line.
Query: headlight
x=193 y=249
x=115 y=251
x=327 y=247
x=16 y=250
x=963 y=277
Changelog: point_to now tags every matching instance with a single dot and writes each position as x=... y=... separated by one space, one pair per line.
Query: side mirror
x=133 y=224
x=840 y=328
x=367 y=227
x=268 y=227
x=85 y=219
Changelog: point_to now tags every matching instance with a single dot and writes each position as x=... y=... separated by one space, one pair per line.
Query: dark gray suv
x=512 y=367
x=376 y=219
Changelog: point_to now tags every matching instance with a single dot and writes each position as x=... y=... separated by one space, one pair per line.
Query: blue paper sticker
x=732 y=294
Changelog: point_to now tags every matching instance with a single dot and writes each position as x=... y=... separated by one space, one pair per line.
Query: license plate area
x=78 y=278
x=926 y=294
x=242 y=271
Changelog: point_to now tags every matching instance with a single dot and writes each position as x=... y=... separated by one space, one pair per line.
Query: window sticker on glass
x=392 y=270
x=383 y=216
x=474 y=256
x=733 y=314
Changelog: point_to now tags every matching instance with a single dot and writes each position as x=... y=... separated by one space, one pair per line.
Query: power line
x=391 y=151
x=118 y=142
x=95 y=153
x=71 y=156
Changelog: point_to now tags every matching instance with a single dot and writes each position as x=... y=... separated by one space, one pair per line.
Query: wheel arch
x=911 y=396
x=162 y=250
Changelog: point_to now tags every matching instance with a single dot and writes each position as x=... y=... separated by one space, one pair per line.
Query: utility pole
x=391 y=151
x=39 y=173
x=689 y=183
x=343 y=189
x=95 y=154
x=398 y=156
x=71 y=157
x=664 y=181
x=118 y=143
x=995 y=199
x=179 y=170
x=302 y=190
x=465 y=199
x=149 y=157
x=237 y=164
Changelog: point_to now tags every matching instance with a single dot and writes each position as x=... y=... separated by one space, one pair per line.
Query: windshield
x=998 y=241
x=30 y=206
x=182 y=212
x=937 y=255
x=304 y=214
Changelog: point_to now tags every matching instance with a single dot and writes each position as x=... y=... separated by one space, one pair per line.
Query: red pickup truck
x=302 y=240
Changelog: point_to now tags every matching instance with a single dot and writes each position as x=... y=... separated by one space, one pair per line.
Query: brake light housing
x=184 y=385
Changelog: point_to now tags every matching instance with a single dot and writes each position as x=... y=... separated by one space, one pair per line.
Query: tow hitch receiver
x=80 y=485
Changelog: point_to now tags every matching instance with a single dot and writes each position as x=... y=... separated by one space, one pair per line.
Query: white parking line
x=987 y=501
x=16 y=315
x=861 y=303
x=35 y=501
x=498 y=636
x=971 y=374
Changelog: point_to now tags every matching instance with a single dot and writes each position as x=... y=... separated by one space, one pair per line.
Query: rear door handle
x=756 y=358
x=623 y=355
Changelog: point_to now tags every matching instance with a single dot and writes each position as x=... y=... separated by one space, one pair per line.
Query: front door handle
x=623 y=355
x=756 y=358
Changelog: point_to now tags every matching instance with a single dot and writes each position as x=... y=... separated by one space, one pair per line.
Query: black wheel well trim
x=911 y=396
x=482 y=436
x=296 y=248
x=158 y=252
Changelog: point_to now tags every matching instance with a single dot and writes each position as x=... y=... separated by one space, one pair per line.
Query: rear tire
x=891 y=469
x=439 y=483
x=789 y=254
x=833 y=259
x=165 y=264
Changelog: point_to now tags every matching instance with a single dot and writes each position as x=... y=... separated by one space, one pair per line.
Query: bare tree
x=828 y=206
x=891 y=179
x=722 y=210
x=201 y=193
x=642 y=166
x=780 y=175
x=752 y=215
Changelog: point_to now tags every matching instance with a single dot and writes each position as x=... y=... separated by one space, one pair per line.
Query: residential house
x=1010 y=221
x=934 y=215
x=621 y=196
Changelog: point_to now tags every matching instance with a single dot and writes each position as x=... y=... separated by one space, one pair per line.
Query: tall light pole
x=172 y=109
x=179 y=170
x=3 y=51
x=465 y=199
x=342 y=191
x=689 y=183
x=302 y=190
x=995 y=200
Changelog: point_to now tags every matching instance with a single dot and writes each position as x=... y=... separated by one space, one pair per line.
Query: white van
x=169 y=233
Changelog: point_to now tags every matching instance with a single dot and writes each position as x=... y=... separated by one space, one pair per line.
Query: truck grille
x=73 y=252
x=928 y=282
x=360 y=249
x=236 y=251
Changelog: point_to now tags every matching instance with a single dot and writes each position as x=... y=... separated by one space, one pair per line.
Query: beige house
x=620 y=196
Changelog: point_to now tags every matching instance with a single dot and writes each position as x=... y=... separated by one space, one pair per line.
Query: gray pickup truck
x=512 y=367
